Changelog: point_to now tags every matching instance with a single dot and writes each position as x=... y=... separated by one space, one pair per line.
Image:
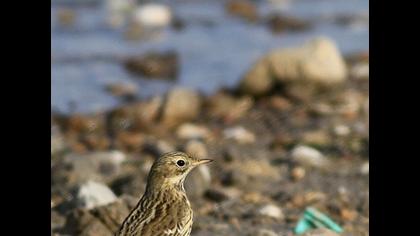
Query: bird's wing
x=151 y=218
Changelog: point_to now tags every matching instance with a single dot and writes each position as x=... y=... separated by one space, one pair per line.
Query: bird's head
x=172 y=168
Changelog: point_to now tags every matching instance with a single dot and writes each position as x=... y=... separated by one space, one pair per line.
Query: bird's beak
x=202 y=161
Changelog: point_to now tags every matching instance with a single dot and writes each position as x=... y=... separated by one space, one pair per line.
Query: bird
x=164 y=208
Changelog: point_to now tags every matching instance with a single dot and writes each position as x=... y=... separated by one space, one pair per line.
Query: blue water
x=210 y=56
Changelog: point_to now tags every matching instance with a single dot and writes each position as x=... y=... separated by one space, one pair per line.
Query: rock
x=93 y=194
x=122 y=90
x=103 y=220
x=81 y=124
x=298 y=173
x=239 y=134
x=154 y=65
x=271 y=211
x=261 y=168
x=320 y=232
x=152 y=15
x=178 y=24
x=225 y=106
x=130 y=141
x=135 y=117
x=308 y=156
x=348 y=215
x=200 y=179
x=192 y=131
x=342 y=130
x=66 y=17
x=280 y=23
x=317 y=137
x=112 y=215
x=242 y=9
x=82 y=222
x=181 y=105
x=280 y=103
x=364 y=169
x=196 y=148
x=318 y=62
x=354 y=20
x=158 y=147
x=266 y=232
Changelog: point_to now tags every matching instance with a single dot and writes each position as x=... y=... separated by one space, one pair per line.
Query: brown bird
x=164 y=208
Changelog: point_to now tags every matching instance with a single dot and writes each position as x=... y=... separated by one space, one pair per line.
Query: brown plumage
x=164 y=208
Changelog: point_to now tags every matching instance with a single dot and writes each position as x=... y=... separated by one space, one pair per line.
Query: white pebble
x=341 y=130
x=308 y=156
x=93 y=194
x=240 y=134
x=271 y=211
x=364 y=169
x=152 y=15
x=191 y=131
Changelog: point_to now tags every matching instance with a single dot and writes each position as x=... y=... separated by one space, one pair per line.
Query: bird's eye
x=180 y=163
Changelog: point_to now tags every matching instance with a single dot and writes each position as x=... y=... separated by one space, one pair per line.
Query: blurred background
x=276 y=91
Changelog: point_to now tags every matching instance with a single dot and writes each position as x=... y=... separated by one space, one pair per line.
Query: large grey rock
x=318 y=61
x=181 y=105
x=92 y=194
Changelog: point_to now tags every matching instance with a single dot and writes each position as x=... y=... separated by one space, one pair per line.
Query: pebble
x=280 y=23
x=298 y=173
x=93 y=194
x=239 y=134
x=192 y=131
x=316 y=137
x=66 y=17
x=271 y=211
x=196 y=148
x=341 y=130
x=154 y=65
x=152 y=15
x=181 y=105
x=364 y=169
x=309 y=156
x=266 y=232
x=244 y=9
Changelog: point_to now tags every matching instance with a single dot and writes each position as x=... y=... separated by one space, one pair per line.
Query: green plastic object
x=313 y=219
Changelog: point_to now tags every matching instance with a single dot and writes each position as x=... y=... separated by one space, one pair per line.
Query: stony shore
x=300 y=141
